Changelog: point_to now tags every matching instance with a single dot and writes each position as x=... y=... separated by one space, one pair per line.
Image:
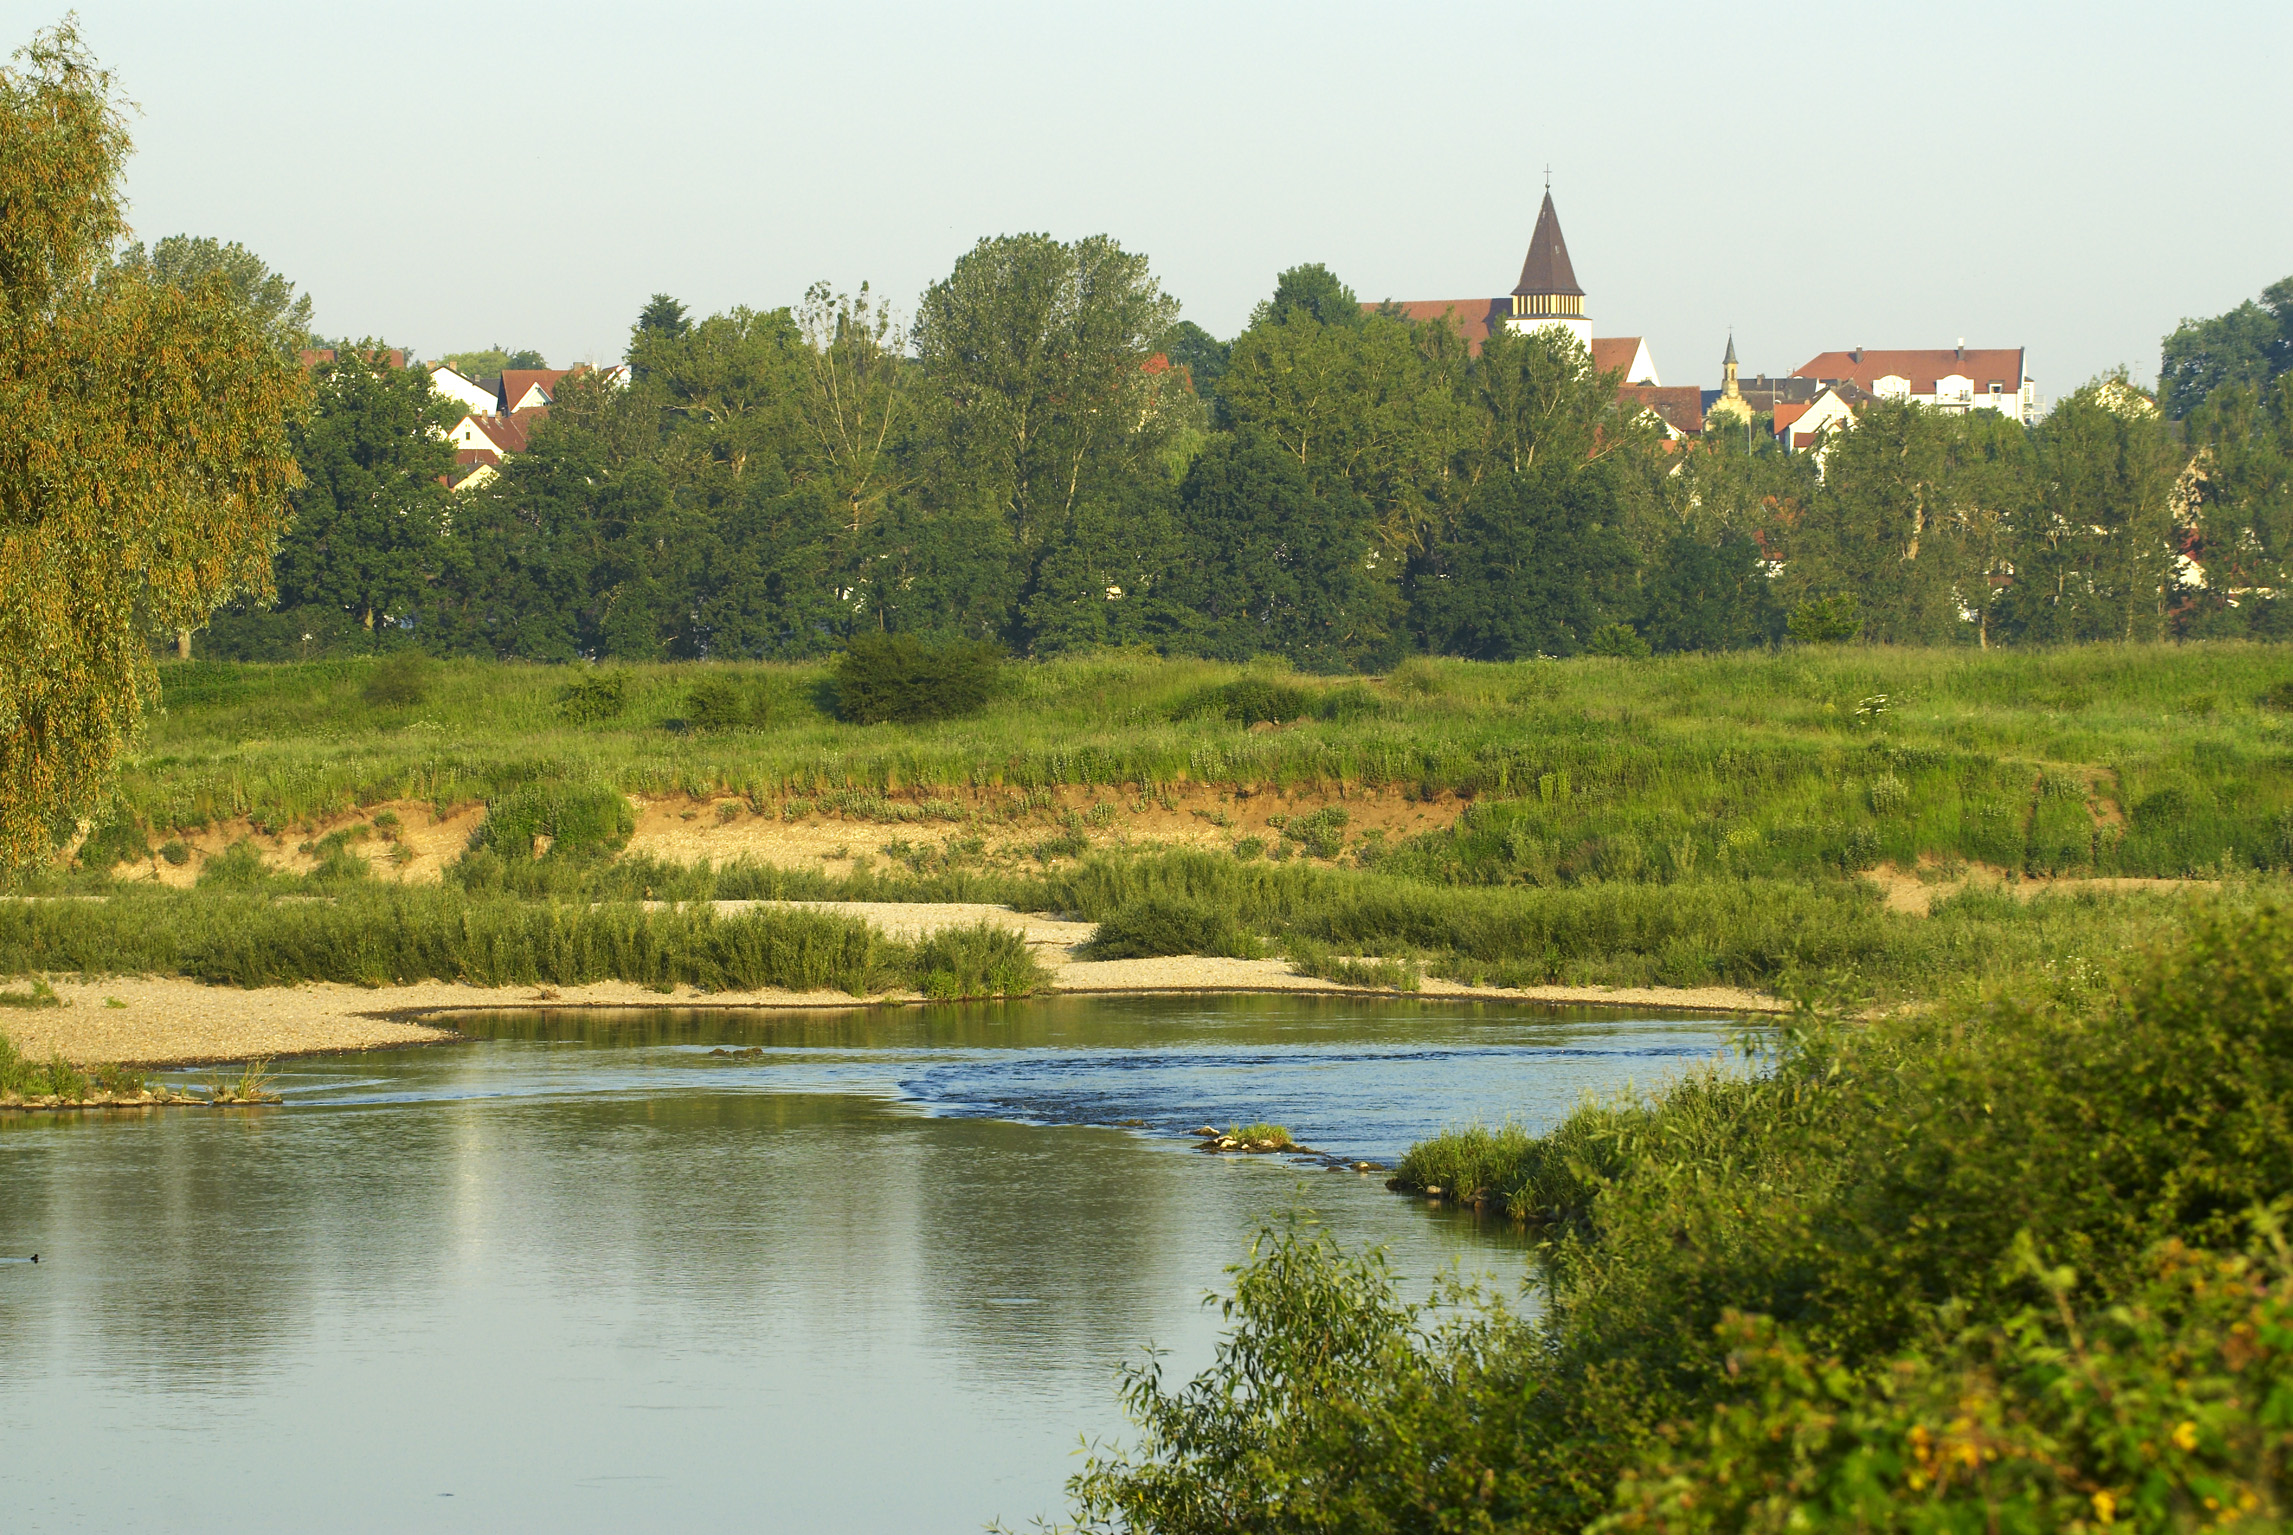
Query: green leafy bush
x=239 y=866
x=986 y=959
x=1159 y=925
x=715 y=704
x=401 y=681
x=2014 y=1264
x=580 y=820
x=592 y=698
x=116 y=839
x=900 y=679
x=1826 y=620
x=1620 y=640
x=1320 y=833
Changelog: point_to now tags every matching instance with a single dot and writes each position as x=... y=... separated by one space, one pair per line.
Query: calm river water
x=577 y=1273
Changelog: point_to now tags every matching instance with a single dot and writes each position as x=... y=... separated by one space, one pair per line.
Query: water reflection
x=579 y=1272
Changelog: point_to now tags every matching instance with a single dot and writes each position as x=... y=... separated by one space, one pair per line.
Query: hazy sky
x=2068 y=178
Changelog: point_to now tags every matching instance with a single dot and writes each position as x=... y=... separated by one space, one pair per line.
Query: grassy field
x=2148 y=761
x=1688 y=821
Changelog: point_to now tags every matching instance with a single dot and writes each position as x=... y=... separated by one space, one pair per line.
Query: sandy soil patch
x=1915 y=891
x=988 y=825
x=415 y=850
x=174 y=1021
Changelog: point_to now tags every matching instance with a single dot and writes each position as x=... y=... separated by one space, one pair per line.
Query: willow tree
x=144 y=460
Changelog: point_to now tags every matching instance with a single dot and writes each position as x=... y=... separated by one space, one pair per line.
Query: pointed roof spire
x=1547 y=270
x=1731 y=357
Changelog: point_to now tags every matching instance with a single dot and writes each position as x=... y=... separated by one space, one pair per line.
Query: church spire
x=1547 y=273
x=1729 y=361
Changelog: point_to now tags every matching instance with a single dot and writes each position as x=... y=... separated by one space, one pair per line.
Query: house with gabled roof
x=462 y=390
x=1947 y=378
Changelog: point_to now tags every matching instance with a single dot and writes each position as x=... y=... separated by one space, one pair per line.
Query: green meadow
x=1684 y=820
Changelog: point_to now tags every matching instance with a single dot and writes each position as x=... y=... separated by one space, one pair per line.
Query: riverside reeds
x=380 y=936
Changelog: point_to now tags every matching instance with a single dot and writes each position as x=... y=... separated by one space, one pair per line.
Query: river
x=578 y=1273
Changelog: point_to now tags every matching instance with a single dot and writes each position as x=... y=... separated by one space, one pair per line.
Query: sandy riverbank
x=173 y=1021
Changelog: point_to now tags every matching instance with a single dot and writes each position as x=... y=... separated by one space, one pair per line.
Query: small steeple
x=1729 y=361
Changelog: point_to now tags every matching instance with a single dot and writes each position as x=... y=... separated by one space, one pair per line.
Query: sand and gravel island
x=152 y=1021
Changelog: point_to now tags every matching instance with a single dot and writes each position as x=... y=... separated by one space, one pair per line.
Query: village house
x=1946 y=378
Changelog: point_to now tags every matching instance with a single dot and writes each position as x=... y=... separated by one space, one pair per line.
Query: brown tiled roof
x=1547 y=270
x=509 y=434
x=1472 y=317
x=517 y=381
x=1922 y=366
x=1682 y=405
x=1609 y=352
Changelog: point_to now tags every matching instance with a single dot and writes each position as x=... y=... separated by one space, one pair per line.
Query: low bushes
x=1156 y=925
x=579 y=821
x=900 y=679
x=2014 y=1264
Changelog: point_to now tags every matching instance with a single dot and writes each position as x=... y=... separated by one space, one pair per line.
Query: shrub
x=176 y=851
x=1321 y=833
x=578 y=820
x=116 y=839
x=1260 y=700
x=400 y=682
x=987 y=959
x=2278 y=695
x=239 y=866
x=1159 y=925
x=1620 y=640
x=899 y=679
x=715 y=704
x=1826 y=620
x=592 y=698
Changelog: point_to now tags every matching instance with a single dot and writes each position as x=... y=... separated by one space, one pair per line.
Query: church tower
x=1547 y=294
x=1731 y=401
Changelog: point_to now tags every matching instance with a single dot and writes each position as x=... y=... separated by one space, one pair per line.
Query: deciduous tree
x=144 y=459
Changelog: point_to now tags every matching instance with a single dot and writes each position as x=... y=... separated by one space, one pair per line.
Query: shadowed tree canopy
x=144 y=458
x=2250 y=345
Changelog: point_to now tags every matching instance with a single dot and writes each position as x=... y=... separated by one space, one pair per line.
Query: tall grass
x=391 y=935
x=2093 y=759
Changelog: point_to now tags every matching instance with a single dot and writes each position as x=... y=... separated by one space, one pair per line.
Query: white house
x=1947 y=378
x=462 y=391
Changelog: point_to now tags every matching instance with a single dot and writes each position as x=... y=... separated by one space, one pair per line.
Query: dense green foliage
x=903 y=680
x=144 y=453
x=1054 y=462
x=2017 y=1264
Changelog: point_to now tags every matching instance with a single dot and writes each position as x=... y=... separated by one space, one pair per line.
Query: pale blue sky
x=2067 y=178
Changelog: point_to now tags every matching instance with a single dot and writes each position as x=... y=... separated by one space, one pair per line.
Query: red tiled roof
x=1922 y=366
x=517 y=381
x=1611 y=352
x=1785 y=415
x=1470 y=317
x=1682 y=406
x=509 y=434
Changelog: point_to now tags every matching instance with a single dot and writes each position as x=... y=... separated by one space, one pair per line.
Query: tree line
x=1050 y=458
